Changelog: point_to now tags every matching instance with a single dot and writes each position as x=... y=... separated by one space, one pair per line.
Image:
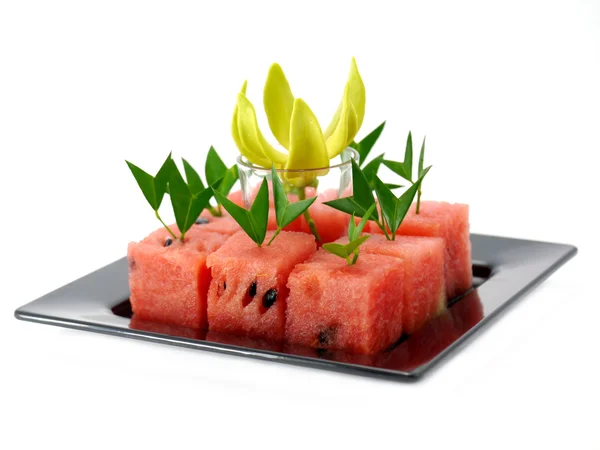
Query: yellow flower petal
x=307 y=146
x=251 y=137
x=279 y=103
x=259 y=158
x=346 y=129
x=338 y=140
x=357 y=97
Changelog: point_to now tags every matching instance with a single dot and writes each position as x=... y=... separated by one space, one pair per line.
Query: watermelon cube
x=424 y=283
x=357 y=308
x=168 y=283
x=248 y=292
x=449 y=221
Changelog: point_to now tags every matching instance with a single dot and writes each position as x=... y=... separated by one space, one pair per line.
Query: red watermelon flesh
x=224 y=224
x=237 y=197
x=449 y=221
x=248 y=293
x=424 y=284
x=169 y=284
x=357 y=308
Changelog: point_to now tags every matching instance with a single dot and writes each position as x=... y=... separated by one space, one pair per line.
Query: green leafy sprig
x=154 y=188
x=254 y=221
x=187 y=198
x=219 y=177
x=363 y=148
x=286 y=212
x=350 y=250
x=393 y=209
x=361 y=200
x=405 y=169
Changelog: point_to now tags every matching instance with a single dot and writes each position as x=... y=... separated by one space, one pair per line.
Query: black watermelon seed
x=326 y=335
x=252 y=290
x=201 y=221
x=168 y=242
x=131 y=264
x=224 y=285
x=269 y=298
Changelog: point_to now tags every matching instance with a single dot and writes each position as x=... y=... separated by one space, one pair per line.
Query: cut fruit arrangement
x=352 y=267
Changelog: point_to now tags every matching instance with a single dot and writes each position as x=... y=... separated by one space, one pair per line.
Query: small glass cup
x=328 y=183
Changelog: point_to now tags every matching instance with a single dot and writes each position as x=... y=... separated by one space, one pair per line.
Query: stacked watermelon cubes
x=449 y=221
x=289 y=295
x=168 y=279
x=424 y=281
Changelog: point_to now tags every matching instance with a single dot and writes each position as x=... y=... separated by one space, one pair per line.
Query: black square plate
x=504 y=270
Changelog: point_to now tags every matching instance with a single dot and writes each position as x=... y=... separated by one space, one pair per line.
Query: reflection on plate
x=504 y=270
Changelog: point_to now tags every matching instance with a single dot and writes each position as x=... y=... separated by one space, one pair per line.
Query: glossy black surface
x=504 y=270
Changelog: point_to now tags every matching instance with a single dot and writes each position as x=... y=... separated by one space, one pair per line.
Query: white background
x=508 y=94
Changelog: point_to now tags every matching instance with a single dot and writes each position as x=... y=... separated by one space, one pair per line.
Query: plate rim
x=506 y=257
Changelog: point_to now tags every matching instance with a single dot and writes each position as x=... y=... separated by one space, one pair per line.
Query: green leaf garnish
x=214 y=167
x=421 y=157
x=421 y=161
x=218 y=176
x=187 y=205
x=392 y=186
x=405 y=168
x=394 y=209
x=362 y=192
x=355 y=240
x=348 y=205
x=229 y=178
x=364 y=147
x=154 y=188
x=253 y=221
x=355 y=230
x=371 y=169
x=193 y=179
x=286 y=212
x=345 y=250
